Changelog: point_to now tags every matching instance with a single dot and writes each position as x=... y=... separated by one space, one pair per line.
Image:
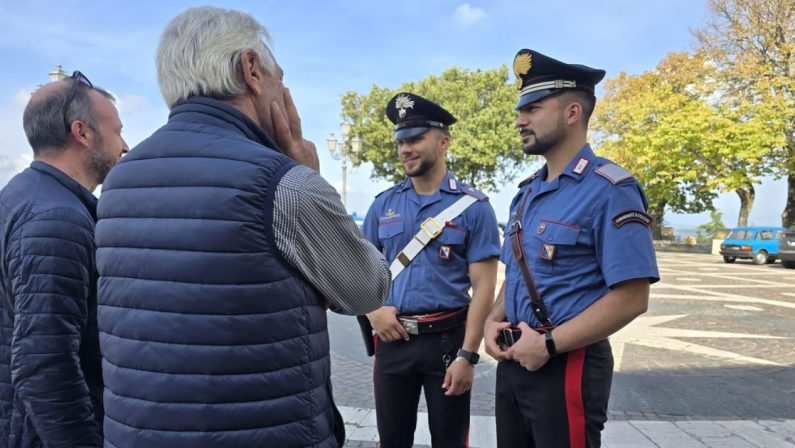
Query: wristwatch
x=551 y=349
x=471 y=357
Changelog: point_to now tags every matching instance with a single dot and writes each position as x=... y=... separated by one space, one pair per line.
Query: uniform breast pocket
x=451 y=242
x=560 y=245
x=389 y=228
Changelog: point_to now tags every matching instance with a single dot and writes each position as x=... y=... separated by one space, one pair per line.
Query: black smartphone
x=507 y=338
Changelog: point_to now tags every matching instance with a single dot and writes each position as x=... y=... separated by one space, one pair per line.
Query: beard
x=99 y=163
x=543 y=143
x=425 y=165
x=422 y=169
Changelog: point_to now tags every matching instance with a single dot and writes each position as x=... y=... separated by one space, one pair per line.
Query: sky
x=328 y=48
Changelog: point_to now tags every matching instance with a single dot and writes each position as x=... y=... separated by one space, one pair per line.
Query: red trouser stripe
x=574 y=407
x=375 y=349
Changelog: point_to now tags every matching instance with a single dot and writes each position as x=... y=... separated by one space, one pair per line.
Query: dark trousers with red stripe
x=561 y=405
x=402 y=369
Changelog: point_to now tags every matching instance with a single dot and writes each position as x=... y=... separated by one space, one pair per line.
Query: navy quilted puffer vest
x=208 y=337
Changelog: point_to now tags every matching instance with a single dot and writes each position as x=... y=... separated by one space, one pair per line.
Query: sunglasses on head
x=77 y=78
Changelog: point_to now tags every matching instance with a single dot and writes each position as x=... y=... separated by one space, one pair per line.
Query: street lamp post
x=346 y=149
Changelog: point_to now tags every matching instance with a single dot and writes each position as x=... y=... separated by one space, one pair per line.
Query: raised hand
x=287 y=126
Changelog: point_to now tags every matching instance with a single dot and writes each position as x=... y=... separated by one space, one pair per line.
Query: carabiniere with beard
x=579 y=261
x=441 y=238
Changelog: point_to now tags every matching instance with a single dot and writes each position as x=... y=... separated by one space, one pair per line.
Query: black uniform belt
x=510 y=335
x=433 y=322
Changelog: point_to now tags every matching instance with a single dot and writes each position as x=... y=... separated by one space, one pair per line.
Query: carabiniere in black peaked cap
x=538 y=76
x=413 y=115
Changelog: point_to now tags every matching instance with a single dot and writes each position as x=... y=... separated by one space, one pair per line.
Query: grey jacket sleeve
x=49 y=261
x=316 y=235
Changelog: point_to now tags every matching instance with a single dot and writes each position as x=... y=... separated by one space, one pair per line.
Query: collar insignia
x=581 y=165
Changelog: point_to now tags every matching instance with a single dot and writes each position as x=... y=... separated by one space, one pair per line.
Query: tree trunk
x=657 y=212
x=747 y=195
x=788 y=216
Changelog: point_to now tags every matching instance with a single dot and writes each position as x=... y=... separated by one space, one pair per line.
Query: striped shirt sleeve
x=315 y=234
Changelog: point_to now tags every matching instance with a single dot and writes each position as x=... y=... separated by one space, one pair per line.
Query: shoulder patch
x=479 y=195
x=632 y=216
x=613 y=173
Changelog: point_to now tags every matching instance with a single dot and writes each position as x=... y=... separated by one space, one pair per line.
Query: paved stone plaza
x=709 y=365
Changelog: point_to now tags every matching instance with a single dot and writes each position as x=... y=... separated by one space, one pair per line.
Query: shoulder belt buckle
x=431 y=228
x=516 y=226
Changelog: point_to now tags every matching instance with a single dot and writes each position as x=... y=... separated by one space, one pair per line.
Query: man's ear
x=573 y=112
x=81 y=133
x=251 y=71
x=444 y=141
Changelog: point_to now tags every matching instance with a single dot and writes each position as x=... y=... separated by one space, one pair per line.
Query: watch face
x=472 y=357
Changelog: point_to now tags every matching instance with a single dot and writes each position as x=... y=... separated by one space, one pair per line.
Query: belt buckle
x=410 y=326
x=431 y=232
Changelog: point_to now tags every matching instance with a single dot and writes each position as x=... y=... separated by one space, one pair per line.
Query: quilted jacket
x=50 y=366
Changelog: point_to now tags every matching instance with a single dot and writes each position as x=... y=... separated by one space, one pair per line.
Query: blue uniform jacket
x=583 y=233
x=50 y=368
x=438 y=278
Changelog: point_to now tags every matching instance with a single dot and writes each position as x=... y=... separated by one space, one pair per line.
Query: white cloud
x=21 y=98
x=15 y=153
x=130 y=104
x=468 y=15
x=11 y=165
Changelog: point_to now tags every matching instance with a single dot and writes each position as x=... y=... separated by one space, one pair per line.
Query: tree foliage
x=715 y=119
x=752 y=45
x=707 y=231
x=486 y=148
x=647 y=124
x=670 y=127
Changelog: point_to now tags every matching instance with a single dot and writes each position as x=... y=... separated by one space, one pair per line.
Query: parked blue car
x=759 y=244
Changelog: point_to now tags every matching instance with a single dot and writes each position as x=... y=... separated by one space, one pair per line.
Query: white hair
x=199 y=53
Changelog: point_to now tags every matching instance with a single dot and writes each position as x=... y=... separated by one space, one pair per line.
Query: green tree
x=640 y=124
x=486 y=148
x=706 y=232
x=668 y=126
x=751 y=44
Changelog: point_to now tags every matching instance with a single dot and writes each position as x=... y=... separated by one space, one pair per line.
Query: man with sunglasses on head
x=51 y=387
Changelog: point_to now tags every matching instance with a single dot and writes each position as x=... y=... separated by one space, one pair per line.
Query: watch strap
x=551 y=349
x=471 y=357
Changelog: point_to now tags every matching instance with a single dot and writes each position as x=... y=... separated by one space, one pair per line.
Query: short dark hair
x=586 y=99
x=43 y=119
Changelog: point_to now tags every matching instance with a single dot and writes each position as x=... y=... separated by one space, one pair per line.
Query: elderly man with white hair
x=220 y=248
